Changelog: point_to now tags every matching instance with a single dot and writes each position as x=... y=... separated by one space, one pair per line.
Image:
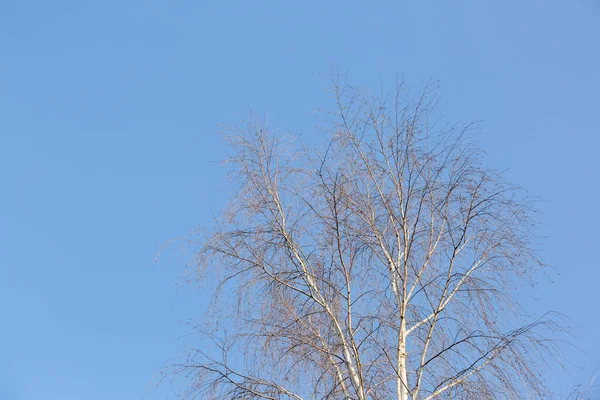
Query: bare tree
x=380 y=265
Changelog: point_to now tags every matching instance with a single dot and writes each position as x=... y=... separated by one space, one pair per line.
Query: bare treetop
x=381 y=265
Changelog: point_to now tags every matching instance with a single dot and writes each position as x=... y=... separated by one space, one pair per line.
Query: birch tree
x=381 y=264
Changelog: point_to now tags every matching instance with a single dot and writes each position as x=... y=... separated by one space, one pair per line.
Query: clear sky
x=108 y=114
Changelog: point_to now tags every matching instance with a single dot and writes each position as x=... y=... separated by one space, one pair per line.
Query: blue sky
x=108 y=148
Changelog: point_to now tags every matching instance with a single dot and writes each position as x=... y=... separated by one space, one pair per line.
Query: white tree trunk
x=401 y=380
